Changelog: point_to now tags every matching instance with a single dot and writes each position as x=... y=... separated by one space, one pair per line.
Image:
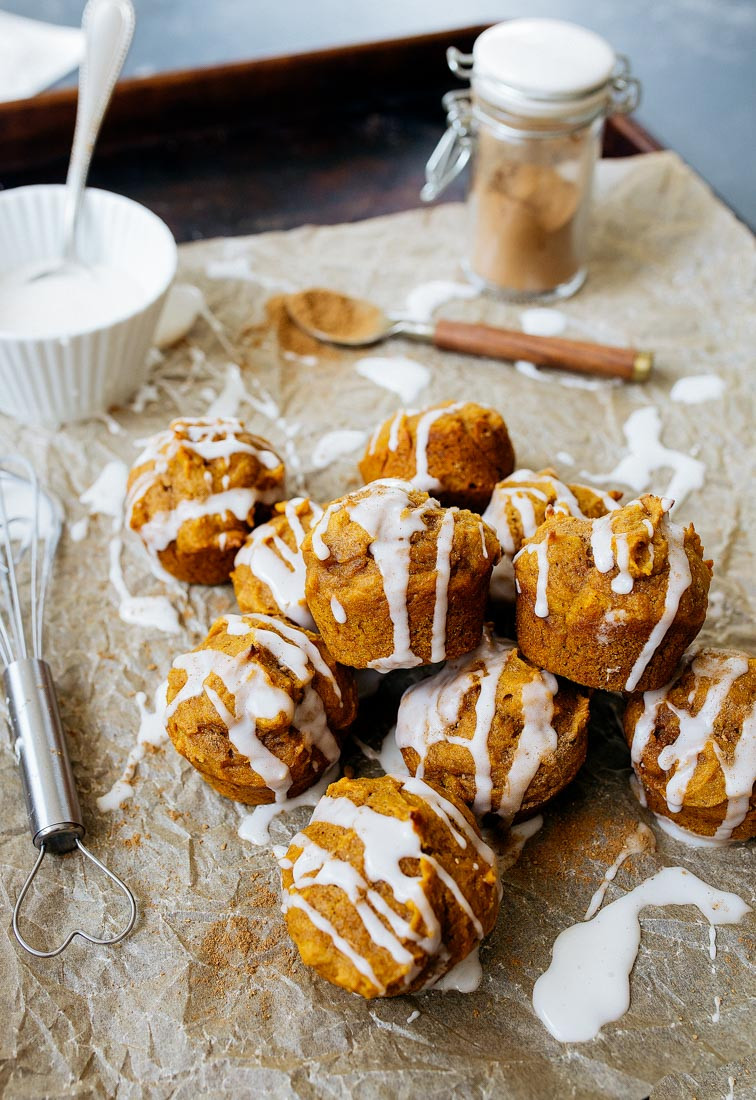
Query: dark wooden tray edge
x=146 y=110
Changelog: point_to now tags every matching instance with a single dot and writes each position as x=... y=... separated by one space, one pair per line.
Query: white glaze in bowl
x=46 y=380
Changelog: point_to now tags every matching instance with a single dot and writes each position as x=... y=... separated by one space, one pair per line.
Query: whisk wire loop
x=105 y=941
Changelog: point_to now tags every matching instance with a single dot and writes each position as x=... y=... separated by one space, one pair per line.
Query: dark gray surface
x=696 y=58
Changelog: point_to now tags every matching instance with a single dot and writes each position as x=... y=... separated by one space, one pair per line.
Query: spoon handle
x=602 y=360
x=108 y=27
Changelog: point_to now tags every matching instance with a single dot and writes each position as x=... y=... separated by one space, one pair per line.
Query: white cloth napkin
x=34 y=55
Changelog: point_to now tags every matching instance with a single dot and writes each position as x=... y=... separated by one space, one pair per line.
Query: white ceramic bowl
x=46 y=380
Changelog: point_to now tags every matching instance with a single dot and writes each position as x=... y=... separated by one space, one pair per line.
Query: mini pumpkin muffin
x=518 y=506
x=195 y=491
x=394 y=580
x=612 y=602
x=457 y=452
x=389 y=886
x=494 y=731
x=269 y=570
x=693 y=744
x=259 y=708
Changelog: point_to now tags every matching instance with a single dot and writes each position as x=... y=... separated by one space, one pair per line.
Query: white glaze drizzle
x=680 y=758
x=424 y=299
x=387 y=841
x=678 y=580
x=232 y=395
x=389 y=756
x=696 y=389
x=403 y=376
x=257 y=698
x=421 y=479
x=162 y=528
x=105 y=496
x=646 y=454
x=541 y=551
x=338 y=611
x=274 y=562
x=686 y=836
x=465 y=977
x=641 y=839
x=517 y=838
x=395 y=426
x=334 y=445
x=740 y=776
x=79 y=530
x=429 y=713
x=587 y=984
x=255 y=824
x=611 y=549
x=521 y=499
x=386 y=513
x=151 y=732
x=151 y=612
x=443 y=573
x=537 y=740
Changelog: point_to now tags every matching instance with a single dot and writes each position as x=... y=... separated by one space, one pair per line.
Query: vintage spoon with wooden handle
x=354 y=323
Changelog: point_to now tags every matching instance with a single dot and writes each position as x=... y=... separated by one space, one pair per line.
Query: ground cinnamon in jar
x=524 y=222
x=531 y=125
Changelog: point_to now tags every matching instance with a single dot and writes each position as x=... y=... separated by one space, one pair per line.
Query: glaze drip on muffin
x=394 y=543
x=193 y=492
x=457 y=451
x=693 y=744
x=389 y=886
x=611 y=602
x=421 y=479
x=259 y=692
x=269 y=570
x=518 y=506
x=487 y=724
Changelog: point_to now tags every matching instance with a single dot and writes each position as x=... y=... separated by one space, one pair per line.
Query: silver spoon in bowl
x=108 y=26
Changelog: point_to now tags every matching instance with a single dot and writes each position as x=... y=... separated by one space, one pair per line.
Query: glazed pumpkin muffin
x=612 y=602
x=693 y=744
x=269 y=570
x=389 y=886
x=394 y=580
x=260 y=708
x=494 y=731
x=195 y=492
x=518 y=506
x=456 y=452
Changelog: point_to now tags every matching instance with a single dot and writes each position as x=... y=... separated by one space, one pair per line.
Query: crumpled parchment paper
x=207 y=996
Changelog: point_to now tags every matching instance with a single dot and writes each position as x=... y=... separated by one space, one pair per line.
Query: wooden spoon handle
x=546 y=351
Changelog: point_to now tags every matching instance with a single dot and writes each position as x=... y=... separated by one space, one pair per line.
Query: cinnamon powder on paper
x=343 y=318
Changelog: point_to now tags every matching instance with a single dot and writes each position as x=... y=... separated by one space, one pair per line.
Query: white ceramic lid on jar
x=542 y=67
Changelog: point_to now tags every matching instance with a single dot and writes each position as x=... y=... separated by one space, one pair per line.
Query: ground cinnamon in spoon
x=336 y=316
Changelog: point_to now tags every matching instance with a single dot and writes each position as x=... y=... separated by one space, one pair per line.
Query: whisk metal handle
x=52 y=803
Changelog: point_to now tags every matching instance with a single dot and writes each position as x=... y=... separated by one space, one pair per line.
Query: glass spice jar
x=531 y=125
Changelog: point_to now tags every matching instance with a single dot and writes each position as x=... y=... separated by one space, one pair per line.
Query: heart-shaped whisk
x=30 y=526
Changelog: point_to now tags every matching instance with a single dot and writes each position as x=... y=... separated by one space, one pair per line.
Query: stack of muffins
x=391 y=884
